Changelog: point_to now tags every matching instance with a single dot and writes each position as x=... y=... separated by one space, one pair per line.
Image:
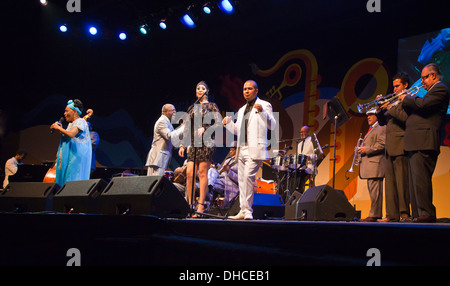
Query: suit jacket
x=161 y=151
x=425 y=118
x=258 y=123
x=372 y=162
x=394 y=119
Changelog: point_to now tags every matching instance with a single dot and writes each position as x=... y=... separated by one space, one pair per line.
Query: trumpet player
x=396 y=169
x=371 y=167
x=426 y=117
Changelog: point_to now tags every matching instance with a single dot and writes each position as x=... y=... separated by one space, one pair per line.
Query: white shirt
x=11 y=168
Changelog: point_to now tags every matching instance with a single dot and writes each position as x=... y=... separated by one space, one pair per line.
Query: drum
x=169 y=175
x=265 y=187
x=278 y=163
x=296 y=161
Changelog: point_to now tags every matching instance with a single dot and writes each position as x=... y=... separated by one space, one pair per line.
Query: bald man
x=161 y=152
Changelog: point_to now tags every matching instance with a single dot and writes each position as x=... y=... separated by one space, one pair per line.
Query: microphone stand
x=334 y=149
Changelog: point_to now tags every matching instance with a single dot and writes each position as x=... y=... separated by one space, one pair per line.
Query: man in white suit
x=161 y=152
x=253 y=121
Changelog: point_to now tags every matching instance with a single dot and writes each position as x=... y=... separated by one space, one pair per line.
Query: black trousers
x=297 y=181
x=396 y=186
x=421 y=165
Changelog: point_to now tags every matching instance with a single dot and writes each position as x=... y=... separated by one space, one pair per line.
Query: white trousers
x=155 y=171
x=247 y=170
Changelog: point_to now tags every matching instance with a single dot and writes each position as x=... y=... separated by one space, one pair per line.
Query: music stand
x=336 y=113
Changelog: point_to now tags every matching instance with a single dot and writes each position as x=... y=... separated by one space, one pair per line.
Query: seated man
x=224 y=179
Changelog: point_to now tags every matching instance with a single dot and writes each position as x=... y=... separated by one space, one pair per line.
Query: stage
x=43 y=239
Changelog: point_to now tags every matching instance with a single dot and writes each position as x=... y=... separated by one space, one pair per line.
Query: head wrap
x=72 y=106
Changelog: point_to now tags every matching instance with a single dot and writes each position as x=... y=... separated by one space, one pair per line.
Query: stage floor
x=43 y=239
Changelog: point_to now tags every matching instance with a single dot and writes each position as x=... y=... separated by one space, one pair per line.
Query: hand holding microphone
x=57 y=125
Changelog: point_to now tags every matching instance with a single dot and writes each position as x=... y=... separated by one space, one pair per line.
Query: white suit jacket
x=161 y=151
x=258 y=123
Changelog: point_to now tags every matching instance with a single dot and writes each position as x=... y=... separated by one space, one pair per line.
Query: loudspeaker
x=325 y=203
x=291 y=210
x=79 y=196
x=150 y=195
x=264 y=206
x=28 y=197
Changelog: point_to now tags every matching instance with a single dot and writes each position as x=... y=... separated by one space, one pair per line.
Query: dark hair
x=21 y=152
x=435 y=68
x=78 y=104
x=403 y=77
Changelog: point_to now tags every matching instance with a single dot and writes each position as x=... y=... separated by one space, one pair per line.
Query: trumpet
x=391 y=98
x=357 y=156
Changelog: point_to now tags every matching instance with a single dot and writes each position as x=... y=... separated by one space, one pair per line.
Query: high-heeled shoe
x=201 y=208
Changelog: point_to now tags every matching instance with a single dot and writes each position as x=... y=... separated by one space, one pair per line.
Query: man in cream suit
x=253 y=121
x=372 y=163
x=159 y=156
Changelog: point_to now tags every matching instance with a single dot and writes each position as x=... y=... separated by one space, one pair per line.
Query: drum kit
x=285 y=167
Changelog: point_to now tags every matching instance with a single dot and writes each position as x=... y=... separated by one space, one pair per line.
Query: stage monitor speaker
x=150 y=195
x=265 y=206
x=79 y=196
x=28 y=197
x=324 y=203
x=291 y=210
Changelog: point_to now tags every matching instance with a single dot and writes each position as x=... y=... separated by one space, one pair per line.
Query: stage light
x=122 y=36
x=144 y=29
x=226 y=6
x=162 y=24
x=187 y=20
x=93 y=30
x=63 y=28
x=207 y=8
x=44 y=2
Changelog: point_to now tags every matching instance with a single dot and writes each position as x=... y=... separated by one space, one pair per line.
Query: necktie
x=370 y=128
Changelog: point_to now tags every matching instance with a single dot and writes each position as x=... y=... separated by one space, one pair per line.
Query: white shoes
x=241 y=215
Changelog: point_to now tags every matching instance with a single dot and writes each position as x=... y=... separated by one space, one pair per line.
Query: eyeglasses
x=426 y=76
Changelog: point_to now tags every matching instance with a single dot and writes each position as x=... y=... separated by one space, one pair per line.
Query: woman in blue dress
x=74 y=156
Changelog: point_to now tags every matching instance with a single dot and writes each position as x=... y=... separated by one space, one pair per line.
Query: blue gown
x=74 y=157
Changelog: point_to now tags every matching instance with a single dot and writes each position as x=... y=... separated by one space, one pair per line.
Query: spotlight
x=162 y=24
x=187 y=20
x=43 y=2
x=226 y=6
x=63 y=28
x=207 y=8
x=93 y=30
x=144 y=29
x=122 y=36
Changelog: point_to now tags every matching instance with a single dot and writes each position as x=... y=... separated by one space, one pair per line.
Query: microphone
x=325 y=146
x=61 y=120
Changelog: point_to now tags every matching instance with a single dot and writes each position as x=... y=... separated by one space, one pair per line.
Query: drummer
x=307 y=168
